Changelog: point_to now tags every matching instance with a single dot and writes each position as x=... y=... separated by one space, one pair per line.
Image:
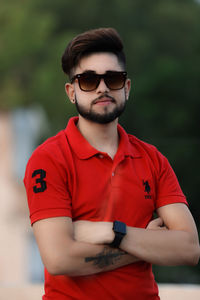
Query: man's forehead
x=99 y=62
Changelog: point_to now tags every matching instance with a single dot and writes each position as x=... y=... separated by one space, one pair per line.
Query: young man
x=92 y=189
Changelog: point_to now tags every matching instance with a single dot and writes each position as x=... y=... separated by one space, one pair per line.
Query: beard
x=101 y=118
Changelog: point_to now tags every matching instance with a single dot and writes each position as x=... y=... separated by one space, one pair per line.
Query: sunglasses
x=89 y=81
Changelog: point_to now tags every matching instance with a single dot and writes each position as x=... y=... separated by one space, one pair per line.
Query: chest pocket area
x=134 y=191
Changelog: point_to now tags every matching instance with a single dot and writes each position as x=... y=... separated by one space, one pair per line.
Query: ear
x=69 y=89
x=127 y=88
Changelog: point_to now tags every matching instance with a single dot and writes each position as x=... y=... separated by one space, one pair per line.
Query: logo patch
x=147 y=189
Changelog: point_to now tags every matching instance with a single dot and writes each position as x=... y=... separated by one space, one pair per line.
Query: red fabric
x=85 y=184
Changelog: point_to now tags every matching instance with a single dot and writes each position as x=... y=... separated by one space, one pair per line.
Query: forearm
x=162 y=247
x=64 y=254
x=155 y=244
x=80 y=259
x=171 y=239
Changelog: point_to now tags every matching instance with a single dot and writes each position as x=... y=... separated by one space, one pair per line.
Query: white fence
x=167 y=292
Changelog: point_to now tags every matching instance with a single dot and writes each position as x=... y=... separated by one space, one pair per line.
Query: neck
x=103 y=137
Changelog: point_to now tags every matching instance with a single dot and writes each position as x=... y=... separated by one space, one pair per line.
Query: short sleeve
x=46 y=187
x=168 y=188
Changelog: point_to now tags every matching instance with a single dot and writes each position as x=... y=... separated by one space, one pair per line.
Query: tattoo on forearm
x=106 y=258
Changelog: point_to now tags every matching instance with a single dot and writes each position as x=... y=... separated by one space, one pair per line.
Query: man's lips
x=104 y=100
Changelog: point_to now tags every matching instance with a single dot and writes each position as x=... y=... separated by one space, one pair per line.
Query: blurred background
x=162 y=45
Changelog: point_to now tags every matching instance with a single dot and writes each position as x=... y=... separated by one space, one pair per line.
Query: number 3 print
x=41 y=183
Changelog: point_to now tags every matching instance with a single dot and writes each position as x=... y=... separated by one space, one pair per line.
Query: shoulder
x=54 y=153
x=52 y=147
x=142 y=147
x=148 y=152
x=141 y=144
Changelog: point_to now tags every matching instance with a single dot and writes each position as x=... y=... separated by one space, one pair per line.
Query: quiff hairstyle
x=92 y=41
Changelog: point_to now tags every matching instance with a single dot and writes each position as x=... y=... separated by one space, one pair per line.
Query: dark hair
x=96 y=40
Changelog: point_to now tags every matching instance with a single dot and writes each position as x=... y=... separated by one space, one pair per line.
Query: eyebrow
x=89 y=71
x=94 y=72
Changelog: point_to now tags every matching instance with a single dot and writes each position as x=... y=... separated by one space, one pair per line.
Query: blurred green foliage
x=162 y=44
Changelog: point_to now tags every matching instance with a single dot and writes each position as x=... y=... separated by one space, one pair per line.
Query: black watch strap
x=119 y=229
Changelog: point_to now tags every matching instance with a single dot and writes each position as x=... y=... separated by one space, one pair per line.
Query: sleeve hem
x=50 y=213
x=171 y=200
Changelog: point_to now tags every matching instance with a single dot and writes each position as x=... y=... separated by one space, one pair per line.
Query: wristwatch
x=119 y=229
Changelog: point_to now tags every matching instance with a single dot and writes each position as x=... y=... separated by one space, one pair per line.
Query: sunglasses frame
x=99 y=77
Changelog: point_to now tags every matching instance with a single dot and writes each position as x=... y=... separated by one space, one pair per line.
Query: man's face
x=101 y=105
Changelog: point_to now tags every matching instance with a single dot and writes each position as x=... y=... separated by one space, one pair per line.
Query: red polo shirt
x=66 y=176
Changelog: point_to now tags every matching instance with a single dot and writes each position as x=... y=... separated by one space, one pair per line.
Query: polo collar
x=84 y=150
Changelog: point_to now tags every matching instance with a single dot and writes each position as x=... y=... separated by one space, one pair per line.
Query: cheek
x=121 y=96
x=83 y=98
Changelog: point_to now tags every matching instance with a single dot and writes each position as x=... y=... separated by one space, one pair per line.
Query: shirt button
x=113 y=173
x=101 y=156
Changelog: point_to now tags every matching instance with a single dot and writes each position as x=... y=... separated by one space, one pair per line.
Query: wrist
x=119 y=229
x=109 y=233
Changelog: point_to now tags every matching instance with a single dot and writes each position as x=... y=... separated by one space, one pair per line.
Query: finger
x=157 y=222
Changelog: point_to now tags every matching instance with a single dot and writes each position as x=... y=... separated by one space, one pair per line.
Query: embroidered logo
x=147 y=189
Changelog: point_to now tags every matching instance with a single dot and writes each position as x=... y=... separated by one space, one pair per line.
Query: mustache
x=103 y=96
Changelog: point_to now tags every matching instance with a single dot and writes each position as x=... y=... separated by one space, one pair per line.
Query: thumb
x=158 y=222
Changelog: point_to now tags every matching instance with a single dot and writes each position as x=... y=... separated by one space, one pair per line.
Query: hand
x=156 y=224
x=93 y=232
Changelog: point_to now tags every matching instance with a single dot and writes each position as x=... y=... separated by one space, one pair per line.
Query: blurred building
x=19 y=257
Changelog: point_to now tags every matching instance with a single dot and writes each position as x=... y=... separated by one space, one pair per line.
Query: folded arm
x=79 y=248
x=62 y=254
x=178 y=245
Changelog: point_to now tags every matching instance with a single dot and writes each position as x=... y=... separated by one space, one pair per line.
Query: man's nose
x=102 y=87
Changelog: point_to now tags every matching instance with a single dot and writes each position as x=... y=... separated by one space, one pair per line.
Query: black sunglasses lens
x=115 y=80
x=88 y=82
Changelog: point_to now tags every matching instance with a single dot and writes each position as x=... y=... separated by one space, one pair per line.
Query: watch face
x=119 y=227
